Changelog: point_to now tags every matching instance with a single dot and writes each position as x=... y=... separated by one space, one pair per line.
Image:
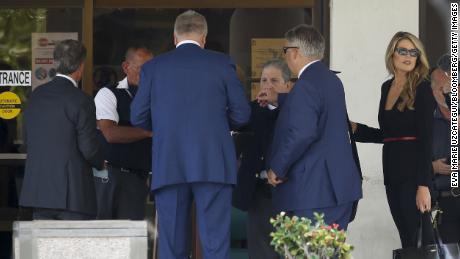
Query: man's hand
x=354 y=126
x=273 y=179
x=423 y=199
x=267 y=96
x=440 y=167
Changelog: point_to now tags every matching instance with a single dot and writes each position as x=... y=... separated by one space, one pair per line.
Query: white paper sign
x=43 y=44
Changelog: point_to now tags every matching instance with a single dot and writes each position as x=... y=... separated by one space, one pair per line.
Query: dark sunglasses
x=285 y=49
x=404 y=52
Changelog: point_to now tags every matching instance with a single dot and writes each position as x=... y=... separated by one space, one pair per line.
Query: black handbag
x=439 y=250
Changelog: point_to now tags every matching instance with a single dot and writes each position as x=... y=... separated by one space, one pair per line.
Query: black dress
x=407 y=151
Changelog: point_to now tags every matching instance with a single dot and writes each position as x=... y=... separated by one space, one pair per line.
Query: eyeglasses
x=404 y=52
x=285 y=49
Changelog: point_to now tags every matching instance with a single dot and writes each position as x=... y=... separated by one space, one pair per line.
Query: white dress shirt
x=69 y=78
x=305 y=67
x=106 y=102
x=187 y=41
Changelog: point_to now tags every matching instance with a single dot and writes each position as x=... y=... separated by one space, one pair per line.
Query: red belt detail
x=399 y=139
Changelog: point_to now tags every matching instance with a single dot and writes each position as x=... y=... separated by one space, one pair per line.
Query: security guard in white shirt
x=122 y=192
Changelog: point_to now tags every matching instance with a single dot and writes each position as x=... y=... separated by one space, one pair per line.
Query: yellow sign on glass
x=10 y=105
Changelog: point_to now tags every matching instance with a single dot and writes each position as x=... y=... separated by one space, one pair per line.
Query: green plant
x=300 y=238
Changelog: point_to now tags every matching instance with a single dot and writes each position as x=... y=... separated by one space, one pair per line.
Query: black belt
x=127 y=170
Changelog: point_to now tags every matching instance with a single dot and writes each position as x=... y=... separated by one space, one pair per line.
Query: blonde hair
x=414 y=77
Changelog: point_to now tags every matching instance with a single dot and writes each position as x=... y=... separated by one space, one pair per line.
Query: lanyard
x=129 y=93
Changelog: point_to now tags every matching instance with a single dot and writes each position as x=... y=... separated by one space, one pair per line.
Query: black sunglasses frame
x=285 y=49
x=415 y=53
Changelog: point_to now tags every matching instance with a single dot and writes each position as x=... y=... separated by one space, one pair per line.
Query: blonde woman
x=406 y=122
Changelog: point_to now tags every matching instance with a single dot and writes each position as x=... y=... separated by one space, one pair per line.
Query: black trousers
x=55 y=214
x=258 y=225
x=449 y=224
x=401 y=199
x=121 y=196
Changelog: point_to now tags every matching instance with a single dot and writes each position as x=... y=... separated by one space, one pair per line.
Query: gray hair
x=190 y=22
x=281 y=65
x=444 y=63
x=308 y=39
x=69 y=54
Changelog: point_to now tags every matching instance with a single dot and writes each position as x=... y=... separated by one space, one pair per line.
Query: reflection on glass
x=16 y=27
x=229 y=30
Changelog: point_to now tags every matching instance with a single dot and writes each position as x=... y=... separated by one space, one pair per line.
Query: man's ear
x=175 y=40
x=203 y=40
x=290 y=84
x=125 y=66
x=78 y=74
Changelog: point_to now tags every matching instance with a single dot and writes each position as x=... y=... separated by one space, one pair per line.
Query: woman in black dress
x=406 y=125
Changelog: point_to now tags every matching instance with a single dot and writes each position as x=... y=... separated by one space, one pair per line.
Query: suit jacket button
x=261 y=158
x=257 y=175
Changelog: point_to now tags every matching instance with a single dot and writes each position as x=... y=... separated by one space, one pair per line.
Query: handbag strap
x=434 y=228
x=437 y=236
x=420 y=233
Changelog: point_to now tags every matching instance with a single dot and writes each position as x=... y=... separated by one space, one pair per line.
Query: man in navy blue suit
x=189 y=98
x=311 y=162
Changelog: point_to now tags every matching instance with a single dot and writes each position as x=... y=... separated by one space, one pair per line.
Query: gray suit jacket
x=60 y=133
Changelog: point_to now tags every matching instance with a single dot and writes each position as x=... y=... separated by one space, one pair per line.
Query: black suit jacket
x=60 y=133
x=255 y=141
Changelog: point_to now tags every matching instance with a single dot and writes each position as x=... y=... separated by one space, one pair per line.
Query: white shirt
x=69 y=78
x=187 y=41
x=305 y=67
x=106 y=102
x=271 y=107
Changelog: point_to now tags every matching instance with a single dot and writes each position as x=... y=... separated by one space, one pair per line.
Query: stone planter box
x=54 y=239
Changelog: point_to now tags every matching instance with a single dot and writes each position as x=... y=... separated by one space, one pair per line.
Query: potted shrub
x=300 y=238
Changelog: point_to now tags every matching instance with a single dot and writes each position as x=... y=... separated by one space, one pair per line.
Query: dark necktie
x=132 y=90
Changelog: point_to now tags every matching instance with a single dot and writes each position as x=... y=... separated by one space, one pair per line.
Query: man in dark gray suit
x=60 y=133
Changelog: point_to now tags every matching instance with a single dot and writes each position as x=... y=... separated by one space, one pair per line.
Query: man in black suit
x=252 y=192
x=60 y=133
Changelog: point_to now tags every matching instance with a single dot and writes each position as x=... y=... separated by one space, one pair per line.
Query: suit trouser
x=258 y=225
x=121 y=196
x=213 y=212
x=401 y=199
x=56 y=214
x=449 y=225
x=338 y=214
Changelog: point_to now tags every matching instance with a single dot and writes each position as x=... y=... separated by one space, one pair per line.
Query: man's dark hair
x=69 y=54
x=133 y=49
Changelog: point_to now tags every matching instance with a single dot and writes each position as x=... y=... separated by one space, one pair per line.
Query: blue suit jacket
x=189 y=97
x=311 y=146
